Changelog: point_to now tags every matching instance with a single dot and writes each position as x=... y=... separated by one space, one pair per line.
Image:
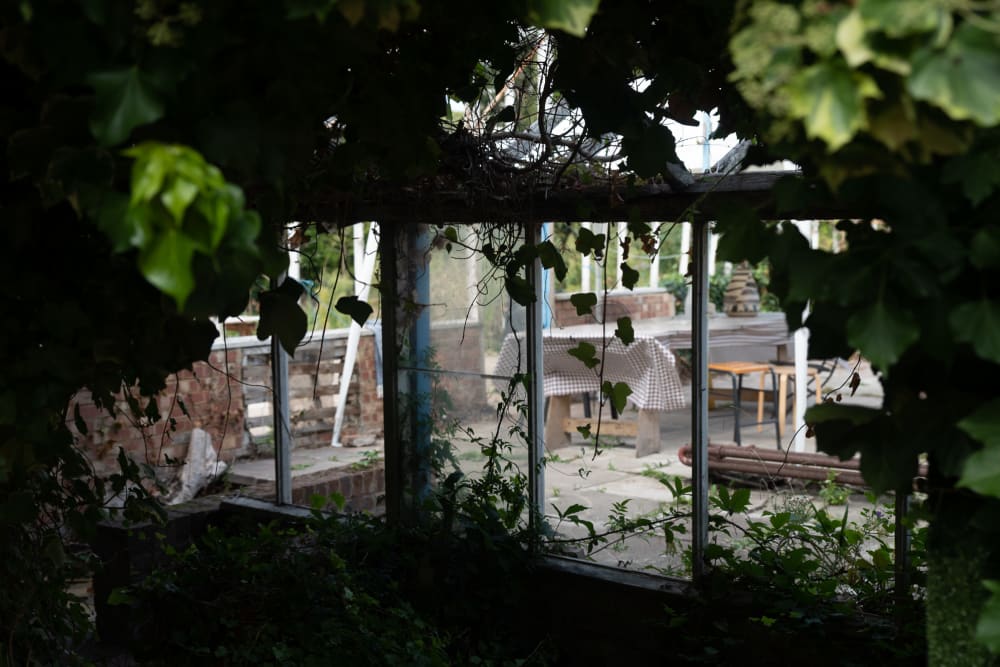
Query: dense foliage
x=152 y=149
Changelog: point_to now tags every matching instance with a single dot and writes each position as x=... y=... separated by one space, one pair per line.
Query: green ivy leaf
x=882 y=333
x=978 y=322
x=618 y=393
x=981 y=472
x=178 y=197
x=551 y=259
x=986 y=248
x=829 y=97
x=988 y=626
x=625 y=332
x=650 y=150
x=852 y=414
x=742 y=235
x=629 y=276
x=520 y=290
x=902 y=18
x=126 y=98
x=571 y=16
x=586 y=353
x=281 y=316
x=584 y=302
x=359 y=310
x=587 y=242
x=976 y=173
x=166 y=263
x=963 y=79
x=984 y=424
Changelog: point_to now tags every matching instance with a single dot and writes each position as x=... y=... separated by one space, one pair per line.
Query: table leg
x=648 y=439
x=555 y=437
x=782 y=402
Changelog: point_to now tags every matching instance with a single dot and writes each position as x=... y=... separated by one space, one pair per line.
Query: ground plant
x=154 y=151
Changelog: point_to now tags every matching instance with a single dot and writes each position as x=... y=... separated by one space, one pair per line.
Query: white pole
x=359 y=257
x=294 y=268
x=654 y=268
x=683 y=262
x=354 y=337
x=621 y=233
x=713 y=246
x=585 y=265
x=801 y=342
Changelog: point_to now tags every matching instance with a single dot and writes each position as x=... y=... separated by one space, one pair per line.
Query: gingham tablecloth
x=645 y=365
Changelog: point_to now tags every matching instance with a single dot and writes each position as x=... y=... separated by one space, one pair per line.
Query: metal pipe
x=760 y=466
x=699 y=397
x=282 y=421
x=536 y=388
x=391 y=307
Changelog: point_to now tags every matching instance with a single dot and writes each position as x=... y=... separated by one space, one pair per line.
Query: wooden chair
x=784 y=373
x=736 y=371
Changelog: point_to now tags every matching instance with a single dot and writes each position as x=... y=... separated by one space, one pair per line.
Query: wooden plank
x=706 y=198
x=612 y=427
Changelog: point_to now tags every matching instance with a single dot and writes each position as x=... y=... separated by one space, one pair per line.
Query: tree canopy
x=152 y=151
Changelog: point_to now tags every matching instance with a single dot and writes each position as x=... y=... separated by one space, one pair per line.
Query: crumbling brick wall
x=229 y=397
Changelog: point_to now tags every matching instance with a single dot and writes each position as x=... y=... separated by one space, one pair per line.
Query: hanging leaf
x=359 y=310
x=551 y=259
x=166 y=263
x=978 y=323
x=571 y=16
x=618 y=393
x=79 y=421
x=986 y=248
x=586 y=353
x=629 y=276
x=902 y=18
x=649 y=150
x=981 y=471
x=520 y=290
x=625 y=332
x=584 y=302
x=882 y=333
x=963 y=79
x=281 y=316
x=976 y=174
x=126 y=98
x=587 y=242
x=988 y=626
x=830 y=99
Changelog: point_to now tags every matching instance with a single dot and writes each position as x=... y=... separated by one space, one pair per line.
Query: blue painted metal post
x=421 y=381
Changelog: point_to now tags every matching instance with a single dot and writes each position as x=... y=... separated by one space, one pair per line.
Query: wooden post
x=555 y=436
x=648 y=440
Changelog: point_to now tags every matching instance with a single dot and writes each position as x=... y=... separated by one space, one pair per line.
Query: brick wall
x=642 y=303
x=231 y=401
x=362 y=490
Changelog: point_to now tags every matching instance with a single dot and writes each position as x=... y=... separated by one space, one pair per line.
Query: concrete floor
x=599 y=480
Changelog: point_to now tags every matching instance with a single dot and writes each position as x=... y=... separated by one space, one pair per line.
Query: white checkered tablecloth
x=645 y=365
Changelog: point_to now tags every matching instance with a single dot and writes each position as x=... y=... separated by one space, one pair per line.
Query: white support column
x=585 y=267
x=294 y=264
x=713 y=245
x=654 y=268
x=354 y=337
x=801 y=342
x=620 y=234
x=359 y=256
x=684 y=261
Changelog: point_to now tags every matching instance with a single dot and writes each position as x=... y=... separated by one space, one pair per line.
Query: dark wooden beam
x=704 y=199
